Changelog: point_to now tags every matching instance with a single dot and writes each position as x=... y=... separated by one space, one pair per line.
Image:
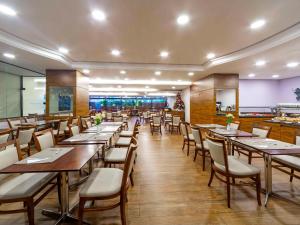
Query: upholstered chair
x=188 y=138
x=201 y=145
x=44 y=139
x=24 y=134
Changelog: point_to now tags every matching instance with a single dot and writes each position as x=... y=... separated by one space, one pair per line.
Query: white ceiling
x=141 y=29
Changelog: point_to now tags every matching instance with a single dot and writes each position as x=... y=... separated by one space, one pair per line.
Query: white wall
x=186 y=97
x=171 y=100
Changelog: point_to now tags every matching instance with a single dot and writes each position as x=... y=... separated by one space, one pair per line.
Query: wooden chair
x=4 y=135
x=13 y=122
x=23 y=187
x=174 y=124
x=291 y=162
x=104 y=184
x=188 y=138
x=260 y=131
x=155 y=124
x=44 y=139
x=24 y=134
x=201 y=145
x=72 y=122
x=130 y=133
x=73 y=130
x=230 y=167
x=59 y=134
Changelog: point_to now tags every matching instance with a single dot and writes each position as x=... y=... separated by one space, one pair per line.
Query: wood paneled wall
x=203 y=97
x=74 y=79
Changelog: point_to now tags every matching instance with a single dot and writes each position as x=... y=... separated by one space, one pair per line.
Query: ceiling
x=141 y=29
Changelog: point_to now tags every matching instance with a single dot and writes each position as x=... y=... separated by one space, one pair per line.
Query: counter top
x=284 y=123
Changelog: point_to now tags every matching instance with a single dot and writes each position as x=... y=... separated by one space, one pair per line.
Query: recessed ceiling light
x=164 y=54
x=119 y=86
x=260 y=63
x=191 y=73
x=173 y=87
x=275 y=76
x=122 y=72
x=9 y=55
x=251 y=75
x=157 y=73
x=115 y=52
x=210 y=55
x=257 y=24
x=63 y=50
x=7 y=10
x=146 y=86
x=86 y=71
x=126 y=79
x=292 y=64
x=153 y=79
x=183 y=19
x=178 y=80
x=98 y=15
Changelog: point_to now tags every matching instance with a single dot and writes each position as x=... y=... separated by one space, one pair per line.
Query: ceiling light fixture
x=114 y=93
x=251 y=75
x=292 y=64
x=164 y=54
x=42 y=80
x=275 y=76
x=63 y=50
x=98 y=15
x=115 y=52
x=86 y=71
x=157 y=73
x=260 y=63
x=126 y=79
x=122 y=72
x=162 y=94
x=139 y=82
x=9 y=55
x=257 y=24
x=173 y=87
x=183 y=19
x=210 y=55
x=191 y=73
x=7 y=10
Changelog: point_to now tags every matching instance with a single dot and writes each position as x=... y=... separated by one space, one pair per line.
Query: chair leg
x=183 y=145
x=228 y=191
x=196 y=153
x=131 y=179
x=292 y=175
x=58 y=189
x=122 y=209
x=203 y=160
x=188 y=150
x=212 y=173
x=250 y=157
x=30 y=211
x=80 y=211
x=258 y=188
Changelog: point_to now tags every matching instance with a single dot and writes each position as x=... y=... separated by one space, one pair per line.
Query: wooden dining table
x=38 y=123
x=268 y=148
x=72 y=161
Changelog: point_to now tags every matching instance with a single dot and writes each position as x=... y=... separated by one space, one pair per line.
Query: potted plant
x=229 y=119
x=98 y=120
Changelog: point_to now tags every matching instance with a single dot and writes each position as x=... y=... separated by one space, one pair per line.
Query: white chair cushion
x=102 y=182
x=24 y=146
x=191 y=137
x=260 y=132
x=126 y=133
x=238 y=167
x=205 y=145
x=46 y=140
x=116 y=155
x=123 y=141
x=24 y=185
x=289 y=160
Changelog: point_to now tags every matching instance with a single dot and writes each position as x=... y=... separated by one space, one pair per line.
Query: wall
x=186 y=97
x=171 y=100
x=287 y=87
x=9 y=95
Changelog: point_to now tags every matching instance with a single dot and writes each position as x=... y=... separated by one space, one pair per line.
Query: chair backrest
x=13 y=122
x=44 y=139
x=62 y=126
x=235 y=125
x=30 y=119
x=109 y=115
x=118 y=119
x=24 y=134
x=4 y=135
x=297 y=137
x=175 y=120
x=217 y=150
x=74 y=130
x=156 y=120
x=183 y=129
x=129 y=162
x=197 y=136
x=261 y=131
x=9 y=155
x=145 y=114
x=74 y=121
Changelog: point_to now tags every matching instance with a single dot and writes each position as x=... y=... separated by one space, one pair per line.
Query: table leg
x=64 y=215
x=268 y=176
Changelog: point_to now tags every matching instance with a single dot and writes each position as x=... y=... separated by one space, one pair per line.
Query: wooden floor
x=171 y=189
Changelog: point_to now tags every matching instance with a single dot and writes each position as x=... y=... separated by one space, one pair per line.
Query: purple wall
x=267 y=92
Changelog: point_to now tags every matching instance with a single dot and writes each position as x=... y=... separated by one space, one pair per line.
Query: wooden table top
x=38 y=123
x=263 y=145
x=209 y=126
x=99 y=139
x=71 y=161
x=103 y=129
x=232 y=133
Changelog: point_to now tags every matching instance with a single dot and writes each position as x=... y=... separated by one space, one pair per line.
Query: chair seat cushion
x=24 y=185
x=126 y=133
x=123 y=141
x=238 y=167
x=116 y=155
x=24 y=146
x=288 y=160
x=191 y=137
x=102 y=182
x=205 y=145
